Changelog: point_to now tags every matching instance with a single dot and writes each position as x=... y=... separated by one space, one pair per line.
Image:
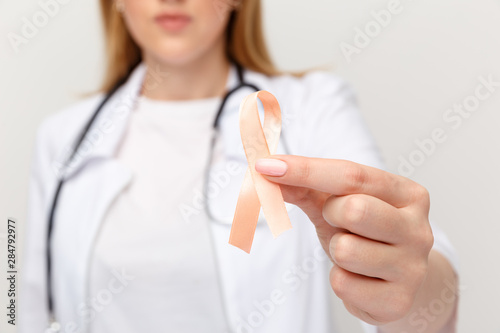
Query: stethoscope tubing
x=54 y=325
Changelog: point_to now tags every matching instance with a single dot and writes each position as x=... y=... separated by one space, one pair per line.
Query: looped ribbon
x=256 y=191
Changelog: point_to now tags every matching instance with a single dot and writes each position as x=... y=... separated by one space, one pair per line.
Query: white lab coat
x=282 y=286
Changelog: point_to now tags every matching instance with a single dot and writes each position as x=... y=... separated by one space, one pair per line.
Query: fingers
x=379 y=301
x=338 y=177
x=310 y=201
x=364 y=256
x=367 y=216
x=373 y=224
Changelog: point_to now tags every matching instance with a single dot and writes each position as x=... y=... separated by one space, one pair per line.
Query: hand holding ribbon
x=372 y=224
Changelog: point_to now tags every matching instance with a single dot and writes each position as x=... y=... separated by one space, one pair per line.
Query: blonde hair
x=245 y=42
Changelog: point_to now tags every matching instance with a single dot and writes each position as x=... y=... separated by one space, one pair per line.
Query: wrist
x=434 y=302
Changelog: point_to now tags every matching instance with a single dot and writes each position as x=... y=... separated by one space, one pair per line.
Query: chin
x=174 y=53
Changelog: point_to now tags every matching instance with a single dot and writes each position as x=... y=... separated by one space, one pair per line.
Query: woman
x=136 y=245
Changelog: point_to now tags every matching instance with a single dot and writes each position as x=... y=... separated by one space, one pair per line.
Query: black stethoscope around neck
x=54 y=325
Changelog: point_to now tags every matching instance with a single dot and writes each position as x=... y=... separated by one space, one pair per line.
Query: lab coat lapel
x=84 y=201
x=109 y=126
x=92 y=181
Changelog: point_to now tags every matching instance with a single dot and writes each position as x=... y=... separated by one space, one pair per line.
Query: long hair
x=245 y=42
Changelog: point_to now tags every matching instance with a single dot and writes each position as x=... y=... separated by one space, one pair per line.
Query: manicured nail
x=271 y=167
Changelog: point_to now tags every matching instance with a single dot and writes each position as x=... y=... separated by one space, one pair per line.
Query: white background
x=428 y=58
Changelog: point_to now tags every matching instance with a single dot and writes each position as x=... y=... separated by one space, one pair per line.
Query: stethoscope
x=54 y=325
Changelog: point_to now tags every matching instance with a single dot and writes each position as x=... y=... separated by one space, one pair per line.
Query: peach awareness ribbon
x=256 y=190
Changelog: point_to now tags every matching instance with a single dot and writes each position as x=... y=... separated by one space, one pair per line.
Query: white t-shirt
x=167 y=258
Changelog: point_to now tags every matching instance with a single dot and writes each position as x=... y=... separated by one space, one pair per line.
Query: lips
x=173 y=22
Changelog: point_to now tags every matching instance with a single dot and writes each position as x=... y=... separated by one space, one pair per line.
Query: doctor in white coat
x=137 y=245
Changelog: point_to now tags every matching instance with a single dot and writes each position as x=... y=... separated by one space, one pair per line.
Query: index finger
x=341 y=177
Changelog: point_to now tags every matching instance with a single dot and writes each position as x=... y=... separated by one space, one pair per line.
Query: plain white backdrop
x=423 y=61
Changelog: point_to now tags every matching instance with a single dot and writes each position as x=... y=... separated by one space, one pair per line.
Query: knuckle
x=338 y=282
x=327 y=210
x=428 y=241
x=425 y=239
x=380 y=315
x=354 y=210
x=342 y=249
x=304 y=171
x=302 y=196
x=355 y=178
x=421 y=194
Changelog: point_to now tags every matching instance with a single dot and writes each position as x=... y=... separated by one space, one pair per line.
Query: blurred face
x=176 y=32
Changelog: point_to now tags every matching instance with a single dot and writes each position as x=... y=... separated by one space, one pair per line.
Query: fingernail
x=271 y=166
